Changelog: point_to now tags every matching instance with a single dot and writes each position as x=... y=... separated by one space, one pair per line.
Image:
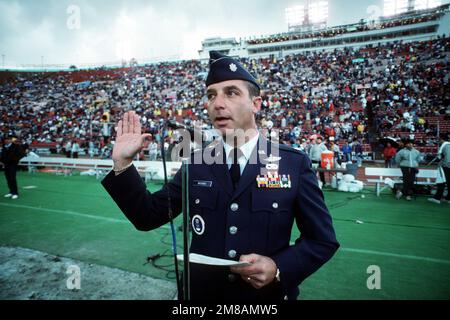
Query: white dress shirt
x=246 y=149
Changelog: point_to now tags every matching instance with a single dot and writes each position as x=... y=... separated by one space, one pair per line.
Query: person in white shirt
x=443 y=171
x=408 y=159
x=153 y=150
x=75 y=149
x=315 y=154
x=68 y=149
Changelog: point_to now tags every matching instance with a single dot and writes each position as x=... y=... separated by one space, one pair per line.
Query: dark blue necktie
x=235 y=170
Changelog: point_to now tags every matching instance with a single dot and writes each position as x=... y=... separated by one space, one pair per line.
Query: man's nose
x=219 y=102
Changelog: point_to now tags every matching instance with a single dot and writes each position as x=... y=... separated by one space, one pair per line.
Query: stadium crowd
x=349 y=95
x=341 y=30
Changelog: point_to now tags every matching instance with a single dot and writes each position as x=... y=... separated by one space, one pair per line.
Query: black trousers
x=409 y=177
x=10 y=174
x=441 y=186
x=321 y=174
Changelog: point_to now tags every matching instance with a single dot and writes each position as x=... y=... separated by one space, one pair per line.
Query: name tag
x=202 y=183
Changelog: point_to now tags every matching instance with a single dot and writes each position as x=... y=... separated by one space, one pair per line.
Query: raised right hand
x=129 y=139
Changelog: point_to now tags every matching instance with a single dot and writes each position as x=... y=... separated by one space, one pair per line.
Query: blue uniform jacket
x=242 y=221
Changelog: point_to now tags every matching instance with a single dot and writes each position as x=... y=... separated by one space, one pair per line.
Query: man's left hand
x=260 y=273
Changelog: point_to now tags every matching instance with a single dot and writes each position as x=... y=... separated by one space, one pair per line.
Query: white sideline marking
x=84 y=215
x=73 y=213
x=395 y=255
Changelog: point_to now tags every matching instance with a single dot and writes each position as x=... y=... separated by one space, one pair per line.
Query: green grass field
x=409 y=241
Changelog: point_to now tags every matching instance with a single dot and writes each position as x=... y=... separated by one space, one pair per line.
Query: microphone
x=176 y=125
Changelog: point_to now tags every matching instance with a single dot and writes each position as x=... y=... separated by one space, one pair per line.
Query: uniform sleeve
x=145 y=210
x=317 y=243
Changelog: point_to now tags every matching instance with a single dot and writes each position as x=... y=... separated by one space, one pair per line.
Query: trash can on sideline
x=327 y=158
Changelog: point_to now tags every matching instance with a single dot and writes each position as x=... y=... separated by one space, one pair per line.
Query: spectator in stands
x=358 y=150
x=300 y=88
x=12 y=152
x=68 y=149
x=408 y=160
x=336 y=151
x=303 y=145
x=75 y=149
x=360 y=129
x=106 y=151
x=153 y=150
x=315 y=154
x=91 y=149
x=444 y=172
x=347 y=152
x=58 y=148
x=389 y=153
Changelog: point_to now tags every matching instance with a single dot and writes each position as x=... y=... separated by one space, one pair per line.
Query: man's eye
x=210 y=96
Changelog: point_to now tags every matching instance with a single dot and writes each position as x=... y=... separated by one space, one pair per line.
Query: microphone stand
x=185 y=206
x=172 y=228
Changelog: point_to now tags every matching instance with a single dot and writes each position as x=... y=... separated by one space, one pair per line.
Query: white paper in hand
x=201 y=259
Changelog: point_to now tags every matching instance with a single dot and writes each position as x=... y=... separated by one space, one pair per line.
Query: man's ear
x=257 y=101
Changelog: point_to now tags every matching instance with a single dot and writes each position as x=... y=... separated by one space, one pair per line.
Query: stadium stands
x=340 y=30
x=398 y=89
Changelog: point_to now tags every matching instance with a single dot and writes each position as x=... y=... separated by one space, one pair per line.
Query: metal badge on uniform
x=272 y=167
x=202 y=183
x=272 y=163
x=198 y=225
x=273 y=159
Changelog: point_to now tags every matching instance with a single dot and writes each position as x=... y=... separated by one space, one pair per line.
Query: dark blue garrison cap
x=223 y=68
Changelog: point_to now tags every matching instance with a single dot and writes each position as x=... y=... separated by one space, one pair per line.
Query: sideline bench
x=424 y=177
x=151 y=170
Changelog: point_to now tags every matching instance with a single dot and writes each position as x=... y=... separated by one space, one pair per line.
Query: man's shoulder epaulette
x=286 y=148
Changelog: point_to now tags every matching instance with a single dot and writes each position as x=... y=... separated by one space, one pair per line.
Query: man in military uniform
x=243 y=206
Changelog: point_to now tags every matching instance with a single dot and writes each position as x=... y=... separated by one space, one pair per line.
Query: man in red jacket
x=389 y=153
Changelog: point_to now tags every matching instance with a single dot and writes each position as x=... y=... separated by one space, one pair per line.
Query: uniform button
x=232 y=253
x=275 y=205
x=231 y=277
x=233 y=230
x=234 y=207
x=197 y=201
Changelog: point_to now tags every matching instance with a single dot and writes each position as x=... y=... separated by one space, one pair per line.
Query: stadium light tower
x=312 y=15
x=394 y=7
x=426 y=4
x=318 y=12
x=295 y=17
